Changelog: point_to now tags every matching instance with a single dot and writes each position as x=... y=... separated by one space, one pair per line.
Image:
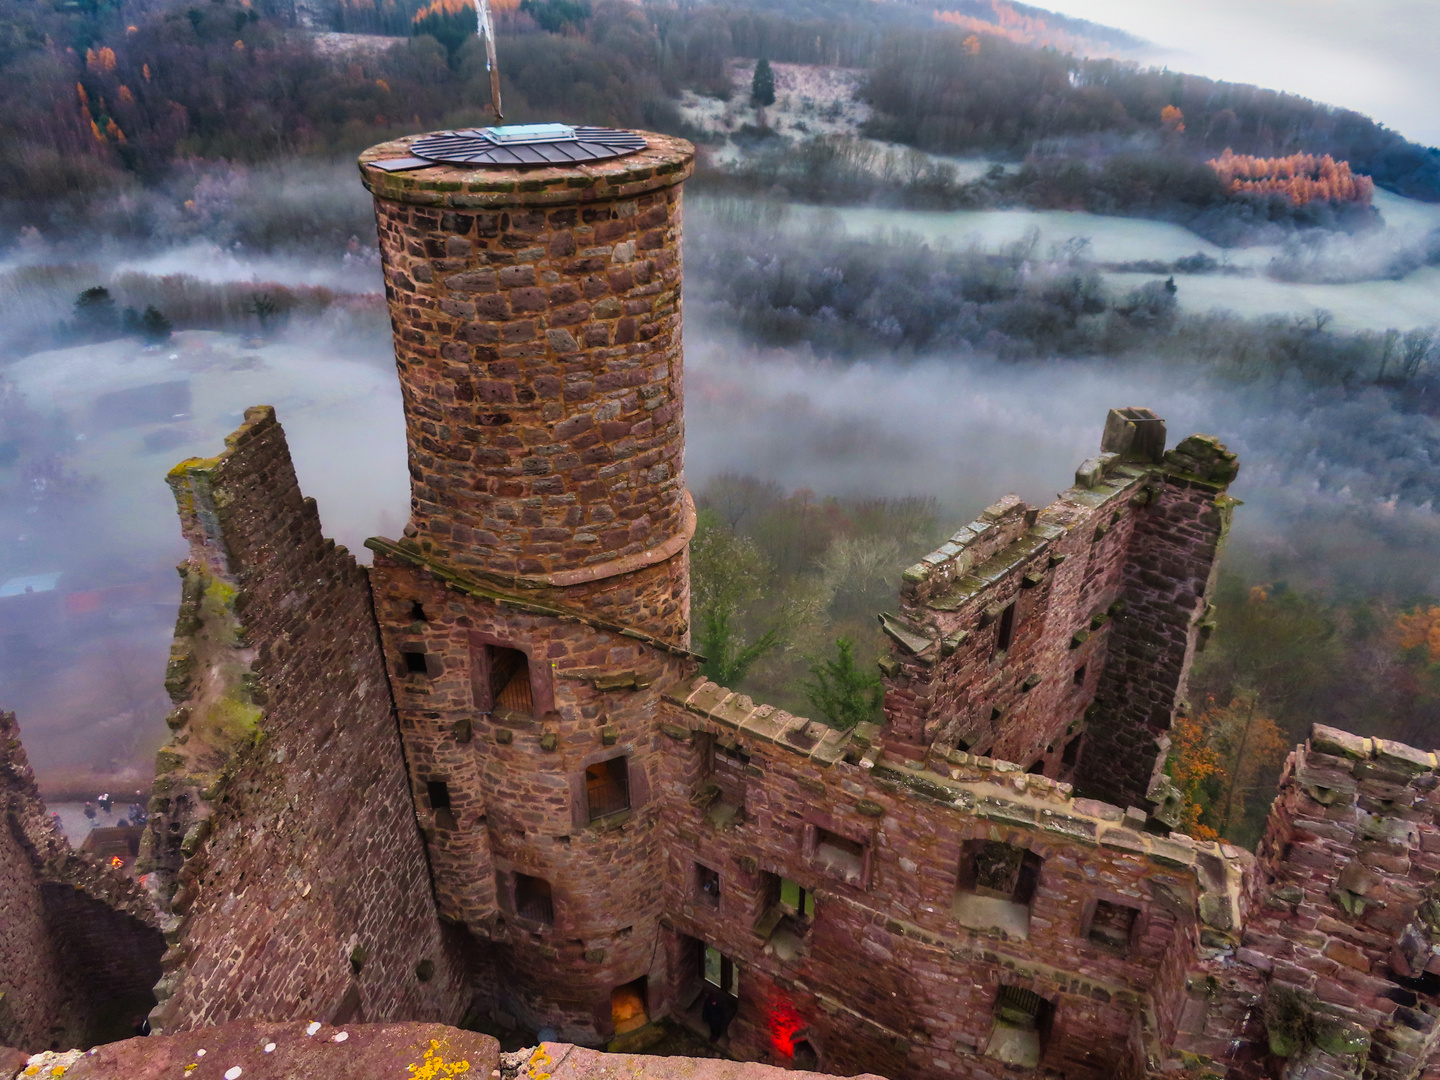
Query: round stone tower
x=538 y=601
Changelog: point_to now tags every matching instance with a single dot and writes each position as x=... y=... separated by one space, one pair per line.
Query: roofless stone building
x=481 y=781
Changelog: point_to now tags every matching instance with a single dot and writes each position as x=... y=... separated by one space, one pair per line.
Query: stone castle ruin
x=481 y=782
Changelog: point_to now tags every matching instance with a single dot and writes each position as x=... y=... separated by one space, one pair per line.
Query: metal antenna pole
x=492 y=65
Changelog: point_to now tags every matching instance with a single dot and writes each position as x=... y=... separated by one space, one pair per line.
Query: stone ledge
x=562 y=1061
x=280 y=1051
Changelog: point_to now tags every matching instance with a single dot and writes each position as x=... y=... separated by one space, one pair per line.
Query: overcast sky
x=1381 y=57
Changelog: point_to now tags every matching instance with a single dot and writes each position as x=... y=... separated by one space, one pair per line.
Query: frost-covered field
x=1412 y=300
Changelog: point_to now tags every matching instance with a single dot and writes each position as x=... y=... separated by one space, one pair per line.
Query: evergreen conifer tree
x=762 y=85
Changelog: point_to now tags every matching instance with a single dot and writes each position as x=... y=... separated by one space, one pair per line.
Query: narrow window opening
x=417 y=611
x=628 y=1008
x=1022 y=1020
x=1080 y=675
x=414 y=662
x=1005 y=635
x=510 y=680
x=438 y=792
x=1111 y=925
x=1038 y=767
x=532 y=899
x=718 y=970
x=607 y=788
x=1071 y=753
x=707 y=885
x=841 y=856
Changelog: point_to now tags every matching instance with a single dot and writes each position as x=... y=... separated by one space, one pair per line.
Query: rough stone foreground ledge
x=292 y=1051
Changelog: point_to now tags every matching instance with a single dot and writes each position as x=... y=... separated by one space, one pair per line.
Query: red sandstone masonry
x=77 y=939
x=537 y=335
x=304 y=890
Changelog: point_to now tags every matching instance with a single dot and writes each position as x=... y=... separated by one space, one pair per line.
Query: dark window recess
x=607 y=788
x=1020 y=1007
x=1080 y=675
x=439 y=794
x=1112 y=924
x=417 y=611
x=414 y=662
x=510 y=680
x=839 y=854
x=1038 y=767
x=707 y=885
x=1000 y=870
x=1005 y=635
x=1071 y=753
x=805 y=1058
x=532 y=899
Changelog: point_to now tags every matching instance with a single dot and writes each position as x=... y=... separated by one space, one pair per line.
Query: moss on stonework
x=1296 y=1022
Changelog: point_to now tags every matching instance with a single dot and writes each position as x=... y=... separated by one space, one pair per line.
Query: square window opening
x=414 y=663
x=1112 y=925
x=417 y=611
x=789 y=912
x=1080 y=675
x=533 y=900
x=707 y=885
x=840 y=855
x=996 y=884
x=1005 y=635
x=607 y=788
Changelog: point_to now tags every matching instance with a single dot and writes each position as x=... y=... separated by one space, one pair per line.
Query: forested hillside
x=99 y=94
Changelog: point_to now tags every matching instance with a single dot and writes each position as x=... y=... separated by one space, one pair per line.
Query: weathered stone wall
x=894 y=975
x=1056 y=636
x=1169 y=575
x=1343 y=932
x=304 y=890
x=537 y=332
x=79 y=951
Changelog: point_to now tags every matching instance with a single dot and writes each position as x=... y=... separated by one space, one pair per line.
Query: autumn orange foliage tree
x=1302 y=177
x=1421 y=628
x=1218 y=760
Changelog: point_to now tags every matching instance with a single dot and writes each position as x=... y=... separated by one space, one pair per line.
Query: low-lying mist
x=1338 y=475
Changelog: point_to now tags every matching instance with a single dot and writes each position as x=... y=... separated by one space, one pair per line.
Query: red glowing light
x=784 y=1024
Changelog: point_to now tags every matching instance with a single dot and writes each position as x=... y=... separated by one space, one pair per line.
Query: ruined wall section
x=1059 y=572
x=304 y=890
x=1169 y=575
x=79 y=947
x=899 y=969
x=1343 y=932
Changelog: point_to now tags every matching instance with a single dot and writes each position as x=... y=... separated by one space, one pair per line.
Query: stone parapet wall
x=301 y=887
